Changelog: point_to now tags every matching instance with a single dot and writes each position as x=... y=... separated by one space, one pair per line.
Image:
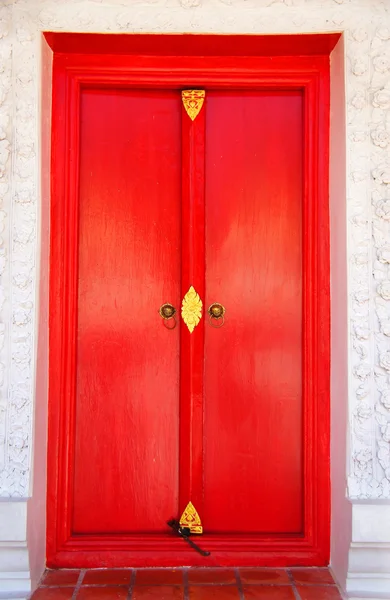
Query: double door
x=189 y=209
x=188 y=348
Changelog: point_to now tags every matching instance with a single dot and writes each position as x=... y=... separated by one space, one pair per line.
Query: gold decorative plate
x=191 y=519
x=193 y=102
x=191 y=309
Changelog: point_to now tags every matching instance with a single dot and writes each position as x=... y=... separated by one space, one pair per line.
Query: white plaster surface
x=341 y=515
x=15 y=577
x=366 y=24
x=369 y=556
x=12 y=523
x=366 y=27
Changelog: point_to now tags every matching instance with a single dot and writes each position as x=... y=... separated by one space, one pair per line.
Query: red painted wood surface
x=91 y=427
x=192 y=344
x=193 y=45
x=253 y=364
x=127 y=391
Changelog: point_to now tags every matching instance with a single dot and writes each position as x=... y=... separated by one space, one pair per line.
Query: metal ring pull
x=167 y=313
x=216 y=313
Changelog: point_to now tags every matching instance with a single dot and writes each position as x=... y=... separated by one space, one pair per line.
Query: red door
x=253 y=410
x=127 y=370
x=195 y=209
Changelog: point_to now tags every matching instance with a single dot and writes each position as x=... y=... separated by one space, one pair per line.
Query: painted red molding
x=192 y=45
x=73 y=76
x=192 y=344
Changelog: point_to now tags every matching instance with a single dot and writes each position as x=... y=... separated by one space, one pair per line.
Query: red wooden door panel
x=253 y=457
x=127 y=395
x=147 y=203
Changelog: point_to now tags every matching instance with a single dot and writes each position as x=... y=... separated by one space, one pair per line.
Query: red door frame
x=157 y=62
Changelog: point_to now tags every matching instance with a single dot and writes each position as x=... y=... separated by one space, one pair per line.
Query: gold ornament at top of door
x=191 y=309
x=193 y=102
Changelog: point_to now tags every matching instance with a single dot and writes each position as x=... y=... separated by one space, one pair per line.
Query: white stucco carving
x=6 y=106
x=368 y=195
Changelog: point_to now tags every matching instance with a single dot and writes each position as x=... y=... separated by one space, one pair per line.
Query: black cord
x=184 y=533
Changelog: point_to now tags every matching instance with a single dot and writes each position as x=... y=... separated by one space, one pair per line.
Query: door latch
x=184 y=532
x=189 y=524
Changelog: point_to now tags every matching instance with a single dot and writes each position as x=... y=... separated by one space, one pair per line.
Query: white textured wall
x=367 y=27
x=341 y=513
x=364 y=338
x=366 y=24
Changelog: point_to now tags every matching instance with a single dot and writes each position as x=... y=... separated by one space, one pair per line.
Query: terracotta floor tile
x=279 y=576
x=269 y=592
x=53 y=593
x=312 y=575
x=157 y=592
x=318 y=592
x=61 y=577
x=103 y=593
x=213 y=592
x=211 y=576
x=159 y=577
x=107 y=577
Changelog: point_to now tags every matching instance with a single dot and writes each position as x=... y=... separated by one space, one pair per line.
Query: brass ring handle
x=167 y=313
x=216 y=313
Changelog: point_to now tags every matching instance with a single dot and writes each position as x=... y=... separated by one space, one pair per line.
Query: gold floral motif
x=191 y=519
x=193 y=102
x=191 y=309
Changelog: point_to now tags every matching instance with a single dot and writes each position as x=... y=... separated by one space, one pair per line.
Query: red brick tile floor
x=188 y=584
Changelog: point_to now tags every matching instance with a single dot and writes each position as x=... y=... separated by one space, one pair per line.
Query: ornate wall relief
x=368 y=195
x=368 y=209
x=6 y=114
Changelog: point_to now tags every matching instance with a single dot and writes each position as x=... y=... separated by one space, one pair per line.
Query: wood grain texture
x=144 y=78
x=127 y=398
x=192 y=344
x=253 y=374
x=183 y=44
